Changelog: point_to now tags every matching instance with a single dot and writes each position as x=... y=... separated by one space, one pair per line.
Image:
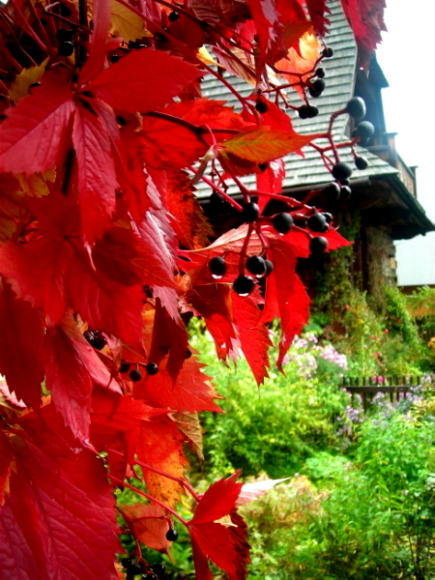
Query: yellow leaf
x=190 y=425
x=22 y=82
x=226 y=521
x=204 y=56
x=10 y=206
x=126 y=23
x=264 y=144
x=36 y=185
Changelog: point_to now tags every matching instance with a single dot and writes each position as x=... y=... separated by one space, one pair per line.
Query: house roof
x=309 y=171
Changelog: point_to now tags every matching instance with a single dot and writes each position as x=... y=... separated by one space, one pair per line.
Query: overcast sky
x=405 y=56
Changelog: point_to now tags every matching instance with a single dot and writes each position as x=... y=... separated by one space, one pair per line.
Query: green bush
x=275 y=427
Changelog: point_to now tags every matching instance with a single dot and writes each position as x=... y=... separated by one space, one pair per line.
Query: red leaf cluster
x=105 y=253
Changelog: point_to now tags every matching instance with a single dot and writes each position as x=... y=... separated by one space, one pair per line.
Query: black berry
x=188 y=353
x=361 y=163
x=332 y=191
x=250 y=212
x=364 y=131
x=95 y=339
x=269 y=267
x=328 y=52
x=171 y=535
x=151 y=368
x=344 y=182
x=148 y=290
x=219 y=204
x=303 y=111
x=317 y=223
x=261 y=106
x=313 y=92
x=124 y=367
x=341 y=170
x=217 y=267
x=356 y=108
x=135 y=375
x=263 y=166
x=173 y=16
x=319 y=85
x=256 y=265
x=64 y=35
x=243 y=285
x=114 y=58
x=312 y=112
x=64 y=10
x=345 y=192
x=282 y=222
x=318 y=245
x=66 y=48
x=320 y=72
x=328 y=217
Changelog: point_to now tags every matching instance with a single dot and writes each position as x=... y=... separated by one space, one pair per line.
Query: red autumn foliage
x=105 y=252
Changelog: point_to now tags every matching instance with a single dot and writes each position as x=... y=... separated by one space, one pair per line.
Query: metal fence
x=397 y=386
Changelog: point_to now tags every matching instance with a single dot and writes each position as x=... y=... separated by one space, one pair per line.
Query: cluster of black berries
x=134 y=373
x=364 y=130
x=65 y=38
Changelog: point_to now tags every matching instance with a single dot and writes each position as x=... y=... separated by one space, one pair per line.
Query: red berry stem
x=26 y=26
x=221 y=192
x=244 y=249
x=185 y=484
x=122 y=483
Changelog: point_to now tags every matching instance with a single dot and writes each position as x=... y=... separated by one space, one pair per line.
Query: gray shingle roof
x=340 y=77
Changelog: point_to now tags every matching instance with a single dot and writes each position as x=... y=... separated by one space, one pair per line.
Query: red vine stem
x=185 y=484
x=147 y=496
x=221 y=192
x=27 y=26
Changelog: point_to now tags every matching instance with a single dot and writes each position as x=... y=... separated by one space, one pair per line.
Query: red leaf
x=116 y=422
x=270 y=180
x=31 y=135
x=317 y=10
x=72 y=369
x=213 y=302
x=169 y=336
x=97 y=48
x=188 y=220
x=96 y=172
x=59 y=507
x=218 y=501
x=268 y=24
x=70 y=280
x=129 y=259
x=226 y=547
x=191 y=391
x=215 y=542
x=5 y=467
x=149 y=525
x=367 y=21
x=162 y=77
x=286 y=296
x=21 y=347
x=254 y=336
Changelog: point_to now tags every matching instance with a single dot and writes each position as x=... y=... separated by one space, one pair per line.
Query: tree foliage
x=105 y=253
